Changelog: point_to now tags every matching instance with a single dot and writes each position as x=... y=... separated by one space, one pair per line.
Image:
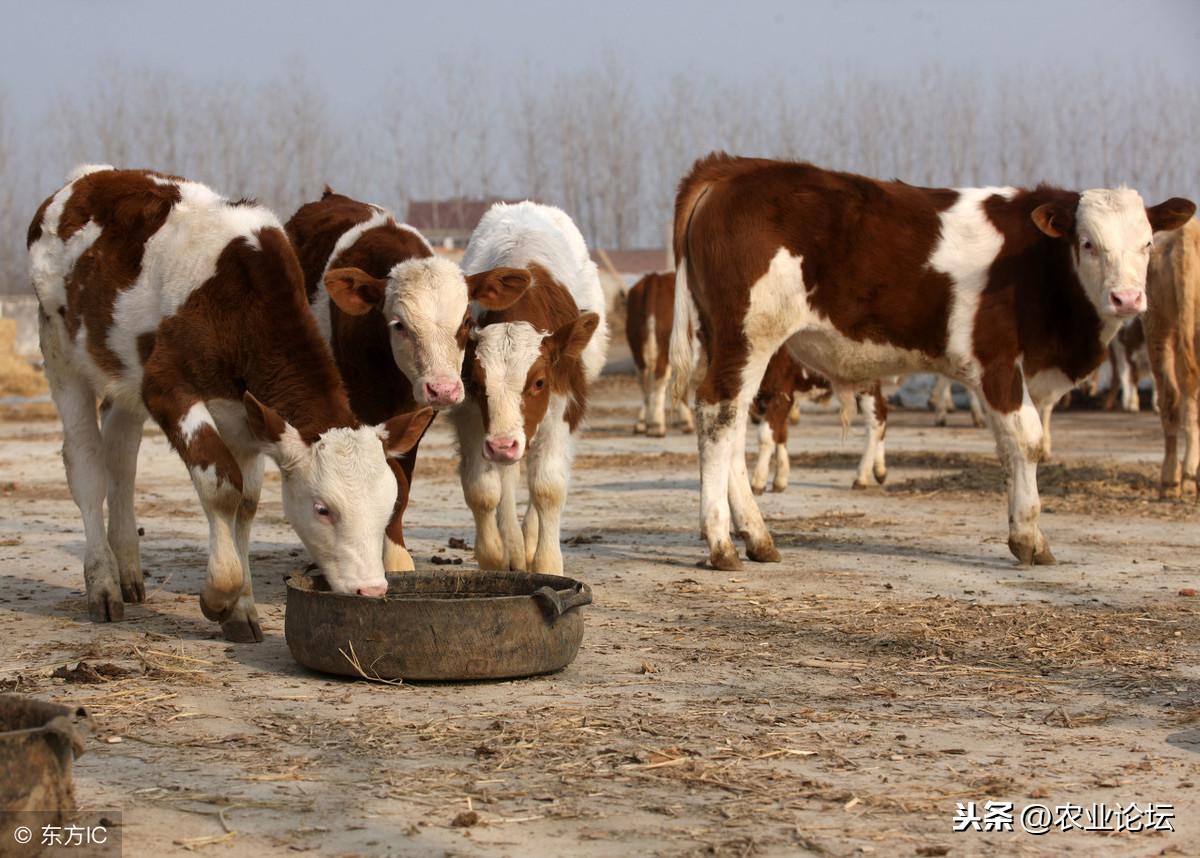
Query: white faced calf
x=529 y=366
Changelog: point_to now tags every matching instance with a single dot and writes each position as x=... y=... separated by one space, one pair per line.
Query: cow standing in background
x=529 y=365
x=1124 y=352
x=1014 y=292
x=650 y=312
x=1171 y=319
x=166 y=300
x=774 y=404
x=395 y=316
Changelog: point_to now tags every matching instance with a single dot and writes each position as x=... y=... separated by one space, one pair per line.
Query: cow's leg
x=872 y=465
x=481 y=487
x=121 y=431
x=747 y=519
x=656 y=419
x=395 y=551
x=783 y=465
x=794 y=414
x=1123 y=378
x=83 y=456
x=766 y=452
x=242 y=624
x=1160 y=341
x=1191 y=426
x=1019 y=443
x=687 y=423
x=714 y=435
x=532 y=529
x=1045 y=410
x=942 y=400
x=509 y=520
x=549 y=470
x=645 y=381
x=977 y=415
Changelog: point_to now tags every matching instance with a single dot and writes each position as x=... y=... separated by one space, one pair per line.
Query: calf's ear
x=571 y=339
x=1171 y=214
x=272 y=431
x=1054 y=219
x=354 y=291
x=499 y=288
x=402 y=432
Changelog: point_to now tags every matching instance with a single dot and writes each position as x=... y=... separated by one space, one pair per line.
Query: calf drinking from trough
x=1016 y=293
x=166 y=300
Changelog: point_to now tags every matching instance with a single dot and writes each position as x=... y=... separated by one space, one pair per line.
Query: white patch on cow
x=428 y=296
x=1048 y=386
x=969 y=243
x=1115 y=223
x=516 y=235
x=196 y=419
x=505 y=352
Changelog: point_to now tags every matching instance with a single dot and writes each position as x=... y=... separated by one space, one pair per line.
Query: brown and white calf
x=394 y=315
x=166 y=300
x=529 y=364
x=650 y=310
x=774 y=403
x=1013 y=292
x=1171 y=321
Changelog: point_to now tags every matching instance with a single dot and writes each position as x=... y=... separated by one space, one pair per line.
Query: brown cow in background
x=651 y=310
x=1172 y=292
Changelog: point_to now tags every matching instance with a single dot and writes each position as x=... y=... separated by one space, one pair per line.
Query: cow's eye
x=1086 y=244
x=539 y=384
x=322 y=512
x=396 y=325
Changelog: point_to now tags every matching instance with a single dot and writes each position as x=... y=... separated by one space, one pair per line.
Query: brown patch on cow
x=145 y=346
x=651 y=297
x=129 y=207
x=1033 y=306
x=864 y=260
x=35 y=225
x=361 y=344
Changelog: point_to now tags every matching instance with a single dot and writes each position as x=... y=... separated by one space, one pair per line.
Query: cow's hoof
x=133 y=588
x=858 y=484
x=725 y=558
x=941 y=421
x=758 y=490
x=687 y=428
x=242 y=629
x=1044 y=557
x=880 y=475
x=779 y=487
x=1028 y=554
x=656 y=431
x=639 y=429
x=767 y=553
x=106 y=606
x=1170 y=491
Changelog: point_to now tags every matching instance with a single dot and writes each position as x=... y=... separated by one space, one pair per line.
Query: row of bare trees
x=602 y=143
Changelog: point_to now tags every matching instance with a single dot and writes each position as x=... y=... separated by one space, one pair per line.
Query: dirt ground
x=841 y=702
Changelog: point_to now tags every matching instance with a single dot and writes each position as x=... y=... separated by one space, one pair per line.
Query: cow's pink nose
x=503 y=449
x=443 y=392
x=1126 y=302
x=375 y=591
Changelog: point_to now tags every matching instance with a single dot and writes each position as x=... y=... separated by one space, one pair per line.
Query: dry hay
x=17 y=375
x=1097 y=488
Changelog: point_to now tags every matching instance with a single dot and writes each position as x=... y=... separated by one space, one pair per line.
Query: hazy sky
x=48 y=45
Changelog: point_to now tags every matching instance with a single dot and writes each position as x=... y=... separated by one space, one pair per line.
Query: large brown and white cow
x=166 y=300
x=650 y=310
x=1171 y=321
x=1013 y=292
x=394 y=314
x=785 y=382
x=529 y=364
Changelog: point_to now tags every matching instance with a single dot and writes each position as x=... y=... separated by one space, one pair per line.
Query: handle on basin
x=561 y=601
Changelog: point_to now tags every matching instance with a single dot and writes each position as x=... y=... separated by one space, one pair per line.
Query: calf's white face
x=424 y=302
x=1113 y=232
x=505 y=353
x=339 y=492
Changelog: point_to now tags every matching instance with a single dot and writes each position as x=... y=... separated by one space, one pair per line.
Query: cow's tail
x=1187 y=293
x=682 y=350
